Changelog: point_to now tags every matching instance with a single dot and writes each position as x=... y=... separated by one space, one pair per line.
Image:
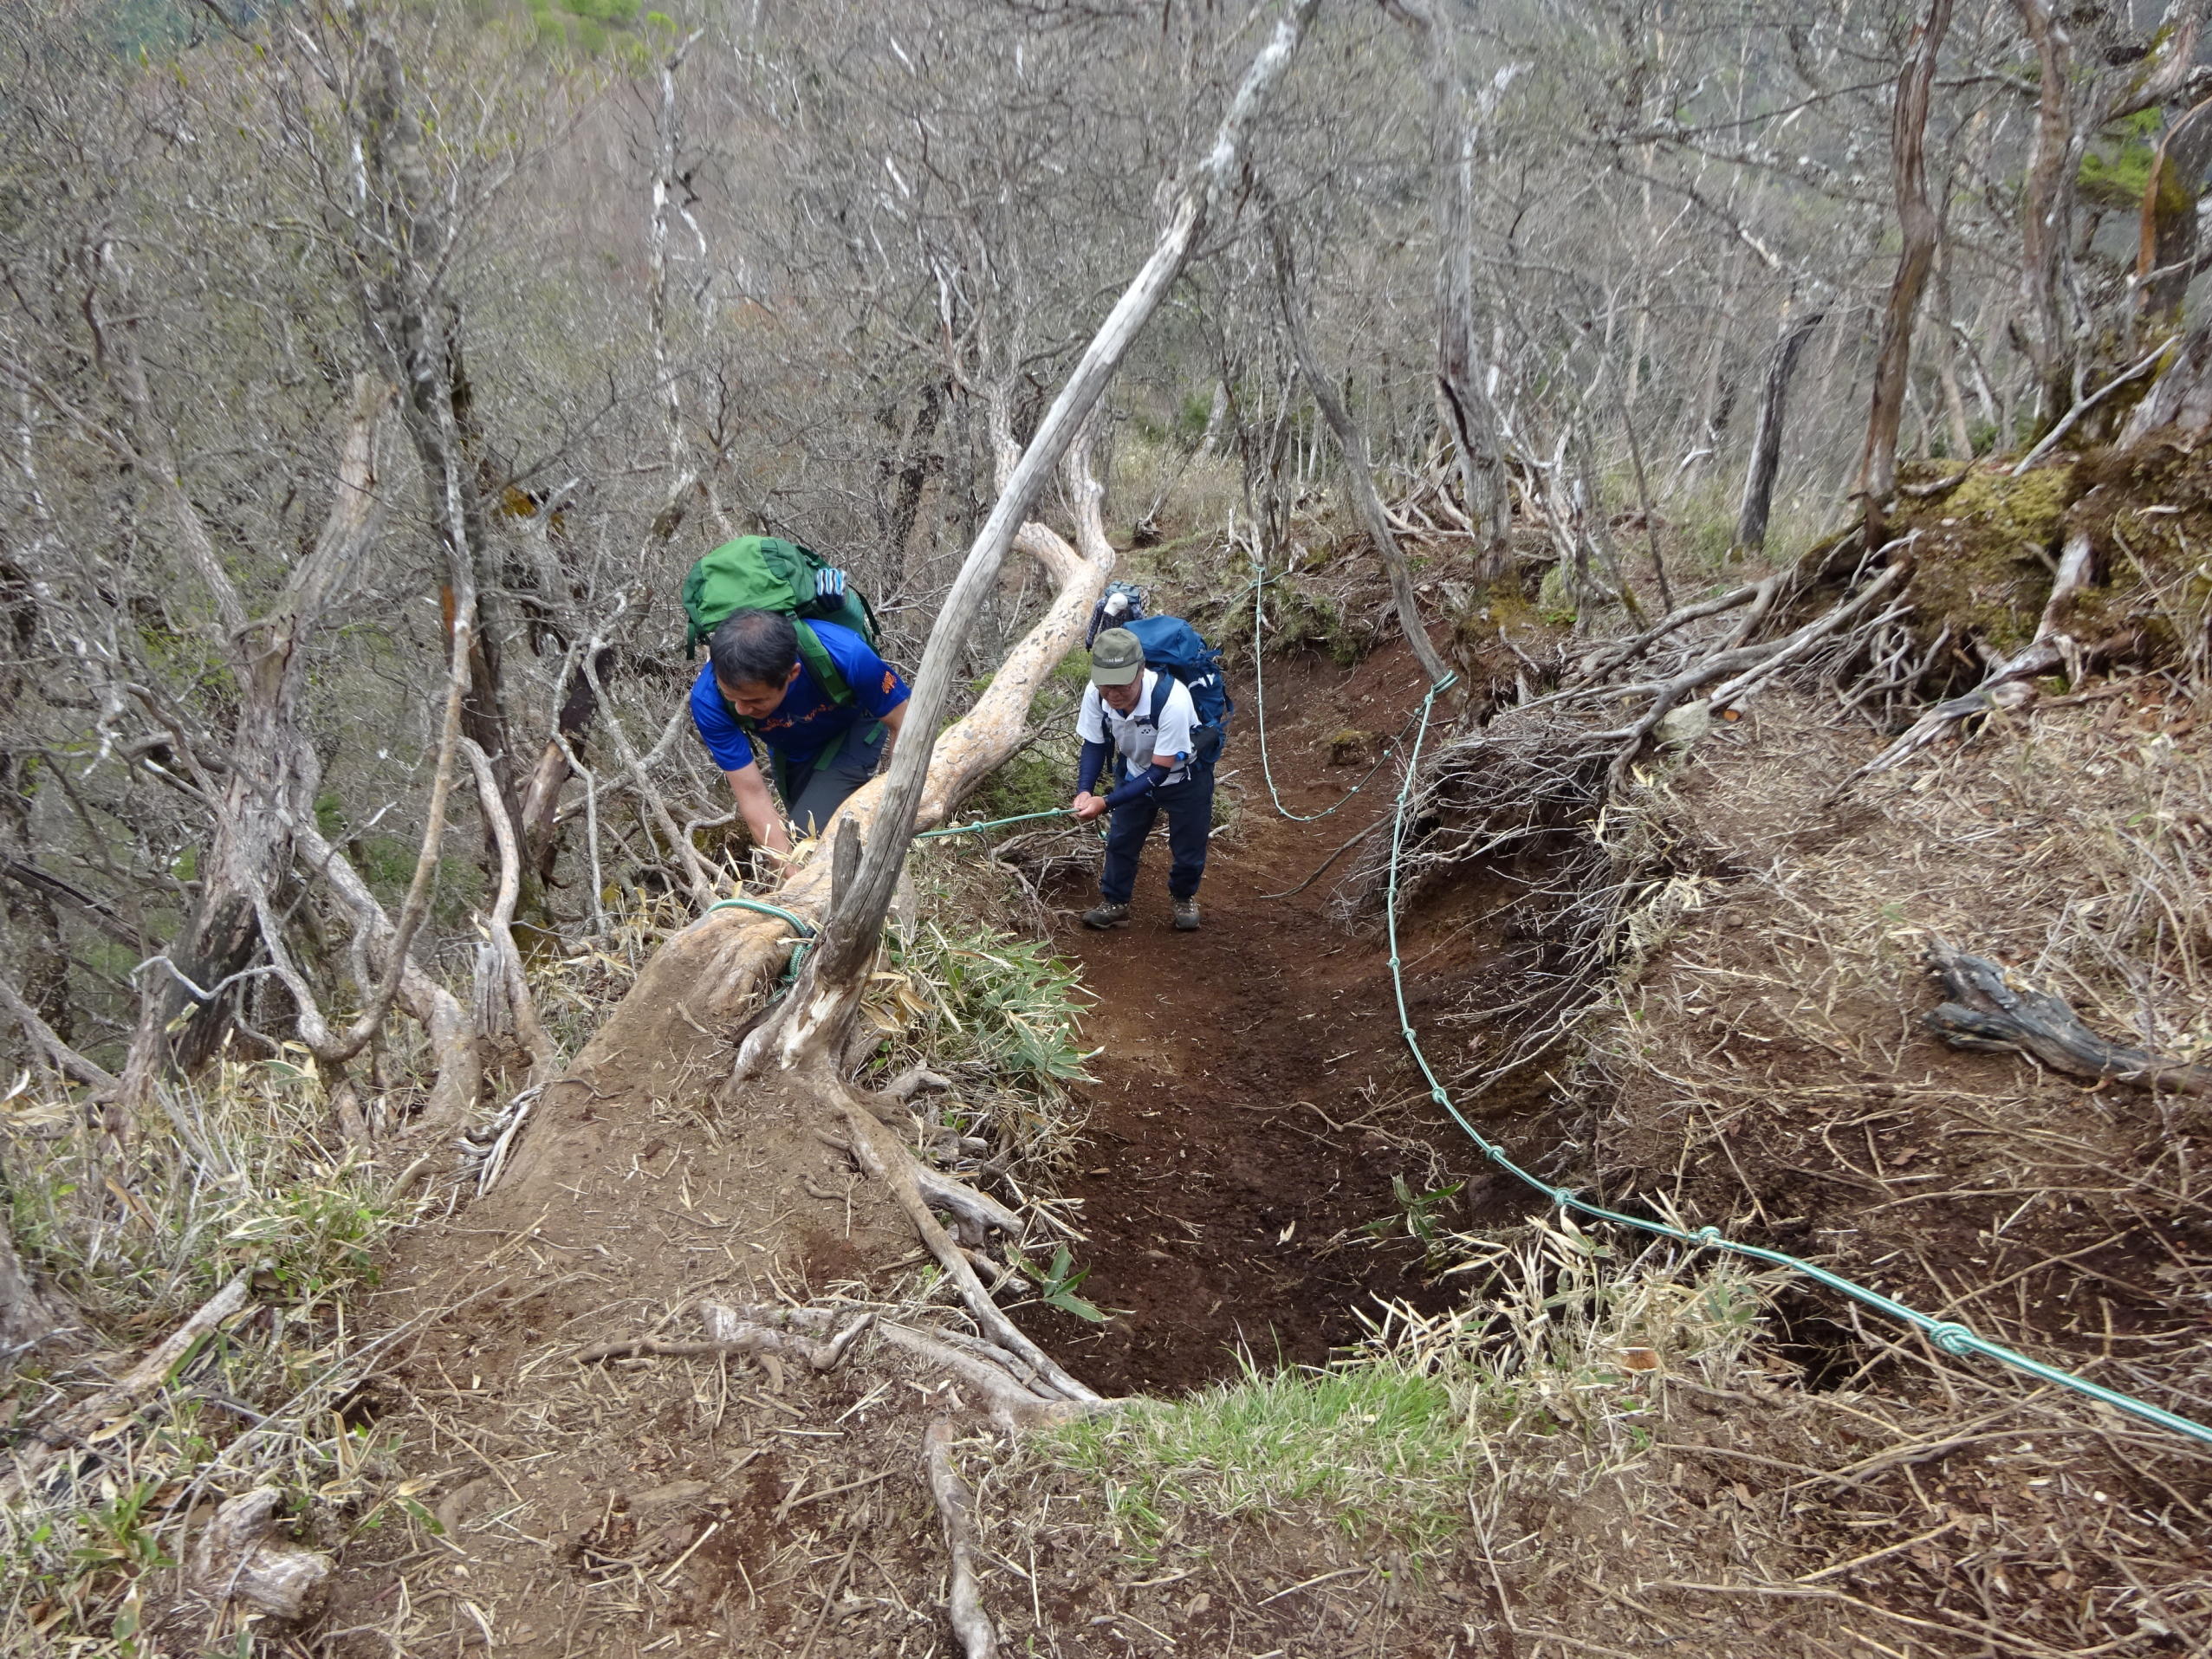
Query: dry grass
x=247 y=1178
x=1598 y=1455
x=1759 y=1063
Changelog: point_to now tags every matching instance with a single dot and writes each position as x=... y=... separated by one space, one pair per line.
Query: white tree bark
x=814 y=1017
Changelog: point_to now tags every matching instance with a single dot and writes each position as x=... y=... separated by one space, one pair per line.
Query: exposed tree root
x=979 y=1640
x=881 y=1155
x=1993 y=1013
x=916 y=1079
x=749 y=1331
x=973 y=1209
x=1013 y=1408
x=1017 y=1394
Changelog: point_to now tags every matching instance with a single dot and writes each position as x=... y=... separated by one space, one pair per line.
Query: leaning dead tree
x=805 y=1030
x=1758 y=500
x=718 y=968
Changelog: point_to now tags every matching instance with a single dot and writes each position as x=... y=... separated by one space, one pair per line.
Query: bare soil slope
x=1247 y=1116
x=1759 y=1063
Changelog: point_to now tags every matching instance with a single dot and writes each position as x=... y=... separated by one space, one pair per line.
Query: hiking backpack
x=765 y=572
x=1174 y=651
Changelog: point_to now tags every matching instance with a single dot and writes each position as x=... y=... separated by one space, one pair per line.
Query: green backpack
x=765 y=572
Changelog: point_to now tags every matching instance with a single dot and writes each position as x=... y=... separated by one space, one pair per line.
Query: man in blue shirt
x=756 y=692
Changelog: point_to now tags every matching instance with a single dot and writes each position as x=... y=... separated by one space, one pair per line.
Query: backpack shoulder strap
x=822 y=665
x=1163 y=685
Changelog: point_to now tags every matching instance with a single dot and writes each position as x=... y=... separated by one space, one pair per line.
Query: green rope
x=803 y=927
x=1948 y=1336
x=988 y=824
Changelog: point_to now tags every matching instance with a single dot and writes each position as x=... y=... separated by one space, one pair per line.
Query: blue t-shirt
x=806 y=722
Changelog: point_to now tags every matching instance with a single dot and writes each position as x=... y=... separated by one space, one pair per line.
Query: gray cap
x=1117 y=657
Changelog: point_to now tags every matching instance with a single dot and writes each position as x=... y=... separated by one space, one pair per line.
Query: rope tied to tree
x=800 y=924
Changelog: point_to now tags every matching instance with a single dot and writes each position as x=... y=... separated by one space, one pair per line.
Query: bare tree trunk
x=1651 y=514
x=811 y=1021
x=399 y=243
x=1877 y=465
x=1462 y=395
x=1351 y=446
x=535 y=810
x=1767 y=435
x=1956 y=426
x=507 y=980
x=2077 y=98
x=2046 y=211
x=270 y=778
x=2167 y=258
x=918 y=461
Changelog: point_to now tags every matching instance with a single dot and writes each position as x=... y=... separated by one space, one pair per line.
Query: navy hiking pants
x=1189 y=809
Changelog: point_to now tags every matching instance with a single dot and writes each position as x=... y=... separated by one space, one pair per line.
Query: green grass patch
x=1552 y=1360
x=1381 y=1448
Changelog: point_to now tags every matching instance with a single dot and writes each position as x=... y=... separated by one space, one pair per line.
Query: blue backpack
x=1174 y=651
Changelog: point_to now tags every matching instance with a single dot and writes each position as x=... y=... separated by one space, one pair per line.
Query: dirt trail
x=560 y=1506
x=1251 y=1102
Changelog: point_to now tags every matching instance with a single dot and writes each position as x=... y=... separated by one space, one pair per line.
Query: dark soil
x=1252 y=1104
x=1254 y=1099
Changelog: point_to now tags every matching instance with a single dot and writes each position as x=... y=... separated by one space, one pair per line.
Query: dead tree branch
x=1993 y=1013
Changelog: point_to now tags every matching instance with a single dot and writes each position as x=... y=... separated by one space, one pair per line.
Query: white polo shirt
x=1132 y=734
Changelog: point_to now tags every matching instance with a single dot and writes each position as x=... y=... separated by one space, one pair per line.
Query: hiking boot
x=1106 y=916
x=1186 y=915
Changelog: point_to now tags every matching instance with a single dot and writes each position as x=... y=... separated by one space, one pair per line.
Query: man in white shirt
x=1143 y=721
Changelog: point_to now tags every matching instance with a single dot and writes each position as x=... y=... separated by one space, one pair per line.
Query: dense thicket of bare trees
x=371 y=373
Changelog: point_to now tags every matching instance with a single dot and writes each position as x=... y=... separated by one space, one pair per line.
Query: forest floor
x=1254 y=1136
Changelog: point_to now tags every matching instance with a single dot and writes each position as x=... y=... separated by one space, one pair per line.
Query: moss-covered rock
x=1352 y=747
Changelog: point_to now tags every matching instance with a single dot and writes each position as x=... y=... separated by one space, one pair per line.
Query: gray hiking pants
x=813 y=793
